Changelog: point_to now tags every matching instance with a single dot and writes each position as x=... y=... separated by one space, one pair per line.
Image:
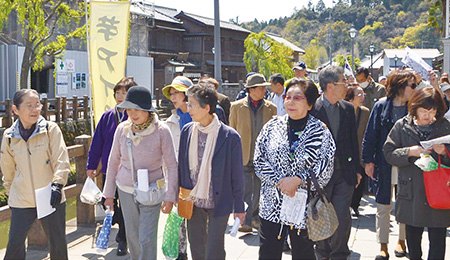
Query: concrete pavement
x=362 y=240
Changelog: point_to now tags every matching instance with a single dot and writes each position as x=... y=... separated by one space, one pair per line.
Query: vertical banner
x=108 y=31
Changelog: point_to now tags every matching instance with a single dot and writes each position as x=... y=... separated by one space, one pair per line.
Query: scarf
x=184 y=118
x=201 y=189
x=137 y=137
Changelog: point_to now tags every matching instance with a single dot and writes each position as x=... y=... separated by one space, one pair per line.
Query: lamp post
x=395 y=61
x=371 y=50
x=353 y=32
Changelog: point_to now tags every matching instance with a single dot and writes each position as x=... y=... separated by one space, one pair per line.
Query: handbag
x=321 y=218
x=185 y=207
x=437 y=186
x=155 y=193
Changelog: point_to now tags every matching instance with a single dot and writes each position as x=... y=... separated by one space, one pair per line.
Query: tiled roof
x=289 y=44
x=161 y=13
x=210 y=22
x=424 y=53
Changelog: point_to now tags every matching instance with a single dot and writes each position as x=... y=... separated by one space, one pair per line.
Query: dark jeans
x=436 y=236
x=206 y=234
x=118 y=216
x=270 y=247
x=54 y=226
x=340 y=194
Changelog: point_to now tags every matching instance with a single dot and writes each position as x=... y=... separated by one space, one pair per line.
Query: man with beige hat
x=248 y=116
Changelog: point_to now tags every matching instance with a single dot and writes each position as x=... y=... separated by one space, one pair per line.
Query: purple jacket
x=103 y=138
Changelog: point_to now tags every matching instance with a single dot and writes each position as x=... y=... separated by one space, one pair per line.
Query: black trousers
x=270 y=247
x=436 y=236
x=54 y=226
x=118 y=216
x=358 y=192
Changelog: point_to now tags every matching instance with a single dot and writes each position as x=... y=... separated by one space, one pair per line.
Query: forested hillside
x=386 y=24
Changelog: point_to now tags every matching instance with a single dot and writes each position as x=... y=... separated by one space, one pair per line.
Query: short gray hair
x=18 y=96
x=329 y=74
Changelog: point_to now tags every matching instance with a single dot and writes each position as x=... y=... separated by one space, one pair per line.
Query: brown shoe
x=245 y=229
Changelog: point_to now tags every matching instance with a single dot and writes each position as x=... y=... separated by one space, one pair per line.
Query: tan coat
x=363 y=113
x=33 y=164
x=240 y=119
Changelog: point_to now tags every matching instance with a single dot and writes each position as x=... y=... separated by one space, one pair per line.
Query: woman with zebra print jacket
x=288 y=149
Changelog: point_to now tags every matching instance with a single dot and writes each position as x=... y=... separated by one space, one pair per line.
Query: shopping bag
x=171 y=235
x=185 y=207
x=105 y=231
x=90 y=194
x=437 y=186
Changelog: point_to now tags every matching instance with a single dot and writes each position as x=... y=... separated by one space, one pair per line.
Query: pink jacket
x=153 y=150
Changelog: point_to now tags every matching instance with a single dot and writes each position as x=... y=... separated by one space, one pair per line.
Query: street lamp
x=395 y=61
x=371 y=50
x=353 y=32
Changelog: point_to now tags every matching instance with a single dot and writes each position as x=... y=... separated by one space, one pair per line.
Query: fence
x=85 y=213
x=61 y=108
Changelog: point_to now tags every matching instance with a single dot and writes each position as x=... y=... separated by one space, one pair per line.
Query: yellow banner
x=108 y=31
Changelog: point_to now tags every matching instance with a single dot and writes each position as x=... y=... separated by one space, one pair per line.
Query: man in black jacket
x=339 y=116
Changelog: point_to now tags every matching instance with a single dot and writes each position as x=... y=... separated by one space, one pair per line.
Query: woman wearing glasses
x=34 y=156
x=401 y=86
x=356 y=95
x=288 y=149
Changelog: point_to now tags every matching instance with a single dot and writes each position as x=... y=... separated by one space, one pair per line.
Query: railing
x=85 y=212
x=57 y=109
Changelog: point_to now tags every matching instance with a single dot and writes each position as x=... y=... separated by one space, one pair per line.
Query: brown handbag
x=185 y=207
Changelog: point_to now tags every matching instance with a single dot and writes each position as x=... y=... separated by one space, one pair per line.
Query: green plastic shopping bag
x=171 y=235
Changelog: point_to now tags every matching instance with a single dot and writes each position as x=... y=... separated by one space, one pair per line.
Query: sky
x=246 y=10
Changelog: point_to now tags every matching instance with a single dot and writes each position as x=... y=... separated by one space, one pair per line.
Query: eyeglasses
x=31 y=107
x=361 y=94
x=344 y=83
x=413 y=85
x=296 y=98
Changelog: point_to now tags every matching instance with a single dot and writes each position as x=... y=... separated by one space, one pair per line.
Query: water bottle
x=105 y=231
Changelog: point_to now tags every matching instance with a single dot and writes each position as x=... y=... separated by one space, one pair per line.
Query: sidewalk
x=362 y=240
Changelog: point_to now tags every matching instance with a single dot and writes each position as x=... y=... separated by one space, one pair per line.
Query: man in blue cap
x=300 y=70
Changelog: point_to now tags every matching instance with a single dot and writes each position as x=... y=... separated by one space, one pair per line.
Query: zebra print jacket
x=272 y=160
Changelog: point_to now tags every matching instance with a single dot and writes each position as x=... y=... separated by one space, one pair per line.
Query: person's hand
x=415 y=151
x=241 y=216
x=109 y=202
x=166 y=207
x=439 y=149
x=289 y=185
x=433 y=79
x=369 y=169
x=55 y=198
x=91 y=173
x=358 y=179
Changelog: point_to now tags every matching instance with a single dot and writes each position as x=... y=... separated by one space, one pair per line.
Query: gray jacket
x=412 y=207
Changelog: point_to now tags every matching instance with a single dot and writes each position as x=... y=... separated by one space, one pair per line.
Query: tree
x=314 y=55
x=45 y=26
x=266 y=56
x=340 y=60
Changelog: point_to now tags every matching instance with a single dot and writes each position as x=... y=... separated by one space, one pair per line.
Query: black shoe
x=286 y=246
x=399 y=253
x=122 y=248
x=356 y=212
x=182 y=256
x=380 y=257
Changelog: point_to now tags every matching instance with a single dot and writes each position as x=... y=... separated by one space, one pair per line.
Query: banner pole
x=88 y=38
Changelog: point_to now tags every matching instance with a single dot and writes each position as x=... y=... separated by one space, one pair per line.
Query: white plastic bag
x=90 y=194
x=293 y=208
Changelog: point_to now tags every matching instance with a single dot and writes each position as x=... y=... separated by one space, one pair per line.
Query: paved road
x=362 y=240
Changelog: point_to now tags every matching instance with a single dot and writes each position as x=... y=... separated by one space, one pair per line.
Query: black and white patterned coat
x=315 y=153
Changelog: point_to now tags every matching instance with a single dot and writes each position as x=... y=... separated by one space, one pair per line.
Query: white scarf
x=201 y=189
x=137 y=137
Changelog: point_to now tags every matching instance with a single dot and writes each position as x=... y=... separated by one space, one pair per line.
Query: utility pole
x=217 y=48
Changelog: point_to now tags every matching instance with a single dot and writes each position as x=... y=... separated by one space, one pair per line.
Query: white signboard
x=65 y=65
x=62 y=83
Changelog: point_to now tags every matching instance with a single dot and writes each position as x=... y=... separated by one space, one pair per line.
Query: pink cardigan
x=153 y=150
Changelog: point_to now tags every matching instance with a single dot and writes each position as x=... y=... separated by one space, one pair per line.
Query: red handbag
x=437 y=186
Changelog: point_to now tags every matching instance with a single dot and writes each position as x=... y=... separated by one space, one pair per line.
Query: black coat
x=347 y=148
x=411 y=206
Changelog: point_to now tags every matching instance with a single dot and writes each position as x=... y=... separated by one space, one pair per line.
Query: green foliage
x=266 y=56
x=340 y=60
x=385 y=23
x=314 y=55
x=45 y=26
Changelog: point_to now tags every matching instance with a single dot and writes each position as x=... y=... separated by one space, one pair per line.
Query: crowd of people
x=248 y=158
